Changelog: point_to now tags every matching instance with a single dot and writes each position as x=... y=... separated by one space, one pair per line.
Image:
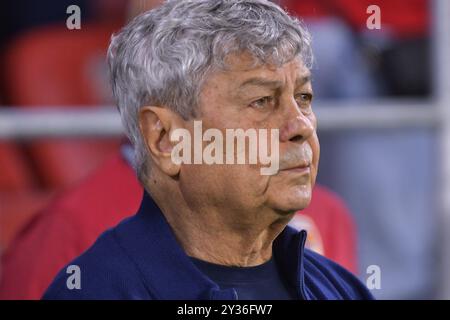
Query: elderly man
x=210 y=228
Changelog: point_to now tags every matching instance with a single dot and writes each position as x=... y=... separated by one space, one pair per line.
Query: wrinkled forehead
x=242 y=79
x=245 y=61
x=244 y=69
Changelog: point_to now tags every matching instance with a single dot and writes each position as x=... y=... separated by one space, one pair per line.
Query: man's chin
x=290 y=203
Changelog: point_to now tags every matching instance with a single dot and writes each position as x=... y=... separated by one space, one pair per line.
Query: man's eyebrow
x=300 y=81
x=262 y=82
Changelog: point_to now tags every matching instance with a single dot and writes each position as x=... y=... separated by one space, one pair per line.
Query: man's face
x=262 y=97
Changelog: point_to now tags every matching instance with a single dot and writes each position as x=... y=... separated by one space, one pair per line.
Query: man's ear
x=156 y=125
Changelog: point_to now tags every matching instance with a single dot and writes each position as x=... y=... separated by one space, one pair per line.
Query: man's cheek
x=315 y=147
x=252 y=182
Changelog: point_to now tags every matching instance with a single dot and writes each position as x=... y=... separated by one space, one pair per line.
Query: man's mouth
x=302 y=168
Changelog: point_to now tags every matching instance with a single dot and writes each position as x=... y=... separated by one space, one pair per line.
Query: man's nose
x=298 y=127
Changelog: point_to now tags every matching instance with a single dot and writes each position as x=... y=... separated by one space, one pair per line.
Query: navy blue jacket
x=141 y=259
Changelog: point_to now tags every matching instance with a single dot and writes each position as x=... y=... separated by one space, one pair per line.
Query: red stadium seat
x=54 y=66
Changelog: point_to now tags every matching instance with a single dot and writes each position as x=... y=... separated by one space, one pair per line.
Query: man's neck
x=207 y=232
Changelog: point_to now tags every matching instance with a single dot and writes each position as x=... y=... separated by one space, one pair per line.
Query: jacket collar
x=168 y=272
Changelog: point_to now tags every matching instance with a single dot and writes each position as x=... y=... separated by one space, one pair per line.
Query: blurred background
x=382 y=100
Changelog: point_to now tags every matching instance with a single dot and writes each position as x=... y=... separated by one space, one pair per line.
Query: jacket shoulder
x=326 y=280
x=104 y=271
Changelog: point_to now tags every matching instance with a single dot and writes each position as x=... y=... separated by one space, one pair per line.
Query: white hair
x=163 y=56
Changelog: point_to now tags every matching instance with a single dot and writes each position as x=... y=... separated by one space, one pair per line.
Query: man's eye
x=304 y=101
x=262 y=103
x=304 y=98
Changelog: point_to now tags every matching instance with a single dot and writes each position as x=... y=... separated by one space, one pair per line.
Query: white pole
x=42 y=122
x=441 y=72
